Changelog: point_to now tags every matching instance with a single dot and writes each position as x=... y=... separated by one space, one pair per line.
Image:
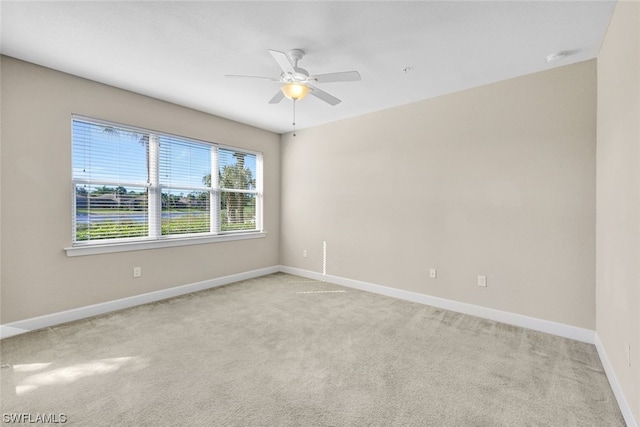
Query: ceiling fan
x=296 y=82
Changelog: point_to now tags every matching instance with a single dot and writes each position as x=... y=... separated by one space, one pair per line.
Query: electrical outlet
x=304 y=253
x=433 y=273
x=482 y=281
x=137 y=271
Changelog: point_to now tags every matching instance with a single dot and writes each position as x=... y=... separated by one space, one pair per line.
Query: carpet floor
x=281 y=350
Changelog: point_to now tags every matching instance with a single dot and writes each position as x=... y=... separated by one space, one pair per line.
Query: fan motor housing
x=301 y=74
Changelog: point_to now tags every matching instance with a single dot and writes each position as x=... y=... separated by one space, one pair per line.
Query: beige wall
x=498 y=181
x=618 y=198
x=37 y=276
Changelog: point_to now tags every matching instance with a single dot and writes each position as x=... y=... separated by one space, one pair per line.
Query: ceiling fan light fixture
x=295 y=91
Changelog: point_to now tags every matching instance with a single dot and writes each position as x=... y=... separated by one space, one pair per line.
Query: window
x=136 y=185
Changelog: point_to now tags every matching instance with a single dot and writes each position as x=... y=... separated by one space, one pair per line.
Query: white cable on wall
x=324 y=258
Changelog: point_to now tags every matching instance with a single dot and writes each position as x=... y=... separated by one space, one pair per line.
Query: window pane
x=104 y=212
x=103 y=153
x=237 y=170
x=184 y=163
x=185 y=175
x=110 y=171
x=237 y=211
x=185 y=212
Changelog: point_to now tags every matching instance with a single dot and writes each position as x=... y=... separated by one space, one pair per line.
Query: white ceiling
x=179 y=51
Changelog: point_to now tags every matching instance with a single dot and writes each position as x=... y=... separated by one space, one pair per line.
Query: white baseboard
x=541 y=325
x=562 y=330
x=48 y=320
x=625 y=408
x=566 y=331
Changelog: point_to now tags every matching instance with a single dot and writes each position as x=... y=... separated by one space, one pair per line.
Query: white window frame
x=155 y=239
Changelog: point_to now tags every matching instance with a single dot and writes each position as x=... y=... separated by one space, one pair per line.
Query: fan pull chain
x=294 y=117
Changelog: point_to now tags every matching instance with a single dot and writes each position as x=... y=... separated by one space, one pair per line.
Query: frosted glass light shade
x=295 y=91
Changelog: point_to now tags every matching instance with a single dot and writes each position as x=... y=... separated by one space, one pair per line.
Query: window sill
x=158 y=244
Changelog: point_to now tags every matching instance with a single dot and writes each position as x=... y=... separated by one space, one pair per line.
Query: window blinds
x=132 y=184
x=110 y=176
x=238 y=193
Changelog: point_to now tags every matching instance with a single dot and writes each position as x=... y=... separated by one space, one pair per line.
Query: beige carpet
x=285 y=351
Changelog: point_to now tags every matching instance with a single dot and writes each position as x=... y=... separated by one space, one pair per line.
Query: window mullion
x=155 y=193
x=214 y=198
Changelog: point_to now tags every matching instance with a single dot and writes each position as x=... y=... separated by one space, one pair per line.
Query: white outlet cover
x=482 y=281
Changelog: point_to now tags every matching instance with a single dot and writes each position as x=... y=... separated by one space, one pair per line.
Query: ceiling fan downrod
x=296 y=55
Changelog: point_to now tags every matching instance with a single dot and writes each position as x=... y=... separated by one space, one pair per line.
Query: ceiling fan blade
x=283 y=61
x=324 y=96
x=344 y=76
x=274 y=79
x=277 y=97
